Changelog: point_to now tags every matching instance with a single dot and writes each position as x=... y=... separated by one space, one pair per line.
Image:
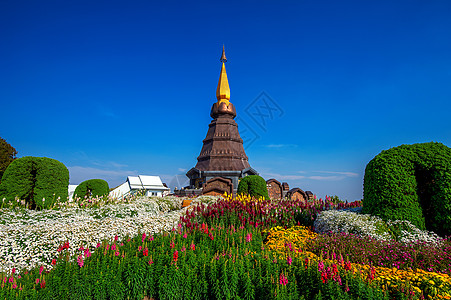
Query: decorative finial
x=223 y=57
x=223 y=90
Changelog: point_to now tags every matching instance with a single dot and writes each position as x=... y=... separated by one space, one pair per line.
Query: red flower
x=146 y=252
x=53 y=262
x=42 y=284
x=175 y=256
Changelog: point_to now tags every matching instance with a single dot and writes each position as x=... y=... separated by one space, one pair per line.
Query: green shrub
x=37 y=180
x=253 y=185
x=92 y=187
x=411 y=182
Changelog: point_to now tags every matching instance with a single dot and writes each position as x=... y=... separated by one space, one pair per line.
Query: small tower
x=222 y=153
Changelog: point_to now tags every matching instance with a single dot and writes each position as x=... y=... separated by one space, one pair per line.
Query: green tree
x=7 y=155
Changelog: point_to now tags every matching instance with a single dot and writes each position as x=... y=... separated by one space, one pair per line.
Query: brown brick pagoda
x=222 y=153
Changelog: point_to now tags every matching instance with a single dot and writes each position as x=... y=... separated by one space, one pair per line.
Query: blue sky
x=118 y=88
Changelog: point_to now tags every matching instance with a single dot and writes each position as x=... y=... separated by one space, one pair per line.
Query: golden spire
x=223 y=90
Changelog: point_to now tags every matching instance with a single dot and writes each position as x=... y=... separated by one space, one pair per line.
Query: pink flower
x=193 y=247
x=150 y=262
x=183 y=249
x=122 y=244
x=151 y=238
x=143 y=237
x=116 y=238
x=117 y=253
x=13 y=271
x=87 y=253
x=289 y=260
x=185 y=236
x=282 y=279
x=41 y=268
x=172 y=245
x=37 y=280
x=80 y=261
x=249 y=237
x=113 y=247
x=139 y=248
x=11 y=279
x=107 y=247
x=98 y=245
x=14 y=285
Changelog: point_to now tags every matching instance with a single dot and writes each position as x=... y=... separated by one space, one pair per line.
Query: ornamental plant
x=254 y=186
x=92 y=188
x=411 y=182
x=223 y=264
x=38 y=181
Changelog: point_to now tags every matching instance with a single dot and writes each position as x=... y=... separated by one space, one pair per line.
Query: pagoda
x=222 y=155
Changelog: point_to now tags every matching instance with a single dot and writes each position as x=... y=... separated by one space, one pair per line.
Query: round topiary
x=411 y=182
x=92 y=187
x=37 y=180
x=254 y=186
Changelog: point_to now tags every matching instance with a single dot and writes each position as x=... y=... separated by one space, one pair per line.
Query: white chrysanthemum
x=366 y=225
x=31 y=238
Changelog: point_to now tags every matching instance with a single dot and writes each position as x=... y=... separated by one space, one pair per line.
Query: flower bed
x=220 y=249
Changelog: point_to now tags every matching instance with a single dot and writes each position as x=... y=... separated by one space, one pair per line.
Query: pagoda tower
x=222 y=153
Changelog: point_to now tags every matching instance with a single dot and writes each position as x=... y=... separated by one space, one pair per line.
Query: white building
x=152 y=186
x=71 y=190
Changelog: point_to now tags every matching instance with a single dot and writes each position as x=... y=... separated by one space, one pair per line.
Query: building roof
x=145 y=182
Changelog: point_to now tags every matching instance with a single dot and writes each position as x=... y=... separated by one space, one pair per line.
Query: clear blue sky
x=117 y=88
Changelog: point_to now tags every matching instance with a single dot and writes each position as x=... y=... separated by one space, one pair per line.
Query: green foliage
x=39 y=181
x=411 y=182
x=254 y=186
x=92 y=188
x=7 y=155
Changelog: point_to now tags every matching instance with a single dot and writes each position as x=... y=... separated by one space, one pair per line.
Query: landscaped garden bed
x=218 y=248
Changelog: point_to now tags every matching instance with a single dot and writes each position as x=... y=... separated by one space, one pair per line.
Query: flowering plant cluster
x=371 y=226
x=30 y=238
x=220 y=249
x=297 y=241
x=260 y=213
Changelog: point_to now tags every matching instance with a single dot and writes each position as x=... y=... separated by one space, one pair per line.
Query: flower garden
x=216 y=248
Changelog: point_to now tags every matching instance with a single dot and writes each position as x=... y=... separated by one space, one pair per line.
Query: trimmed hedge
x=92 y=187
x=34 y=179
x=253 y=185
x=411 y=182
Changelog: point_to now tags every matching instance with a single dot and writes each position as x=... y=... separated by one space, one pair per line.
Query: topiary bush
x=254 y=186
x=411 y=182
x=39 y=181
x=92 y=187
